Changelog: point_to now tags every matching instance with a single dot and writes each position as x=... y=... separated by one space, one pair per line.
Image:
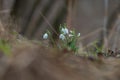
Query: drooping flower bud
x=45 y=36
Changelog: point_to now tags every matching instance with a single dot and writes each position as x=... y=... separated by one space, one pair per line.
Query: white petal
x=62 y=37
x=71 y=31
x=45 y=36
x=66 y=31
x=62 y=29
x=70 y=35
x=78 y=35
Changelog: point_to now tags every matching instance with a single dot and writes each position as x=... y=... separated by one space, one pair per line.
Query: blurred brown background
x=35 y=16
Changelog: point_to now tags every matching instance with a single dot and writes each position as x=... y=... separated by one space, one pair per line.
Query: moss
x=5 y=47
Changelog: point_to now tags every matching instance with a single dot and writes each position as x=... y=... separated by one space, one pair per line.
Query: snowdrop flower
x=71 y=31
x=78 y=35
x=70 y=35
x=45 y=36
x=65 y=30
x=62 y=37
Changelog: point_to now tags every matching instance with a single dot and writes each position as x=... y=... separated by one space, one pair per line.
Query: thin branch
x=105 y=24
x=48 y=23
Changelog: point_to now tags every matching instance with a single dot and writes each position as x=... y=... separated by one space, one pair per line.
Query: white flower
x=71 y=31
x=62 y=37
x=65 y=30
x=70 y=35
x=45 y=36
x=78 y=35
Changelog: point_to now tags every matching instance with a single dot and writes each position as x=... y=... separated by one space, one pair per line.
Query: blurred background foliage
x=33 y=17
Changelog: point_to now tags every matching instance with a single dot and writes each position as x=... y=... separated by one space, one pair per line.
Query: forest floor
x=23 y=59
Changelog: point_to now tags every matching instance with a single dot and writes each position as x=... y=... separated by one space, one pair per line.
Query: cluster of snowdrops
x=68 y=38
